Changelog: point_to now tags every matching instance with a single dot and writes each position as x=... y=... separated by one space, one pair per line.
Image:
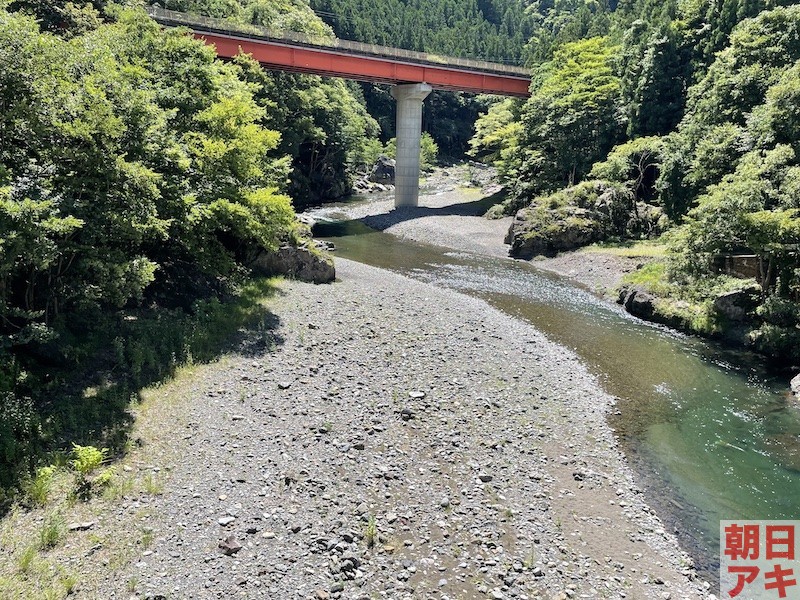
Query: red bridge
x=413 y=74
x=319 y=55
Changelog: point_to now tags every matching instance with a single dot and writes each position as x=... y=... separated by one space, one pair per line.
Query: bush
x=429 y=151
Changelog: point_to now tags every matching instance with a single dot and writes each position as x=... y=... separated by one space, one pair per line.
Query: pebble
x=408 y=517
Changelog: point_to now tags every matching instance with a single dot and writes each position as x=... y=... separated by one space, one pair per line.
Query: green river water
x=710 y=433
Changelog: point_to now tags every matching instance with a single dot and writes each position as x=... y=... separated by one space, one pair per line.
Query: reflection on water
x=711 y=435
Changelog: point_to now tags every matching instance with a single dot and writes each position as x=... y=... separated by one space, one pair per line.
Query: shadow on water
x=709 y=431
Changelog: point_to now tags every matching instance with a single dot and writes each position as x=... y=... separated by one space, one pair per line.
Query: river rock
x=637 y=302
x=306 y=263
x=230 y=546
x=383 y=170
x=737 y=305
x=795 y=385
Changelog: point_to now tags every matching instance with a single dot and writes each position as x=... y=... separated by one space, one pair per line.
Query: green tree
x=573 y=117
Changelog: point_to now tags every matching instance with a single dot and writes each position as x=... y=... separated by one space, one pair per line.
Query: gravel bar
x=398 y=441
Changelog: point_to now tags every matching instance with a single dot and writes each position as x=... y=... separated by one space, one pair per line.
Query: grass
x=26 y=559
x=52 y=532
x=147 y=538
x=153 y=485
x=630 y=249
x=653 y=278
x=37 y=489
x=69 y=582
x=371 y=531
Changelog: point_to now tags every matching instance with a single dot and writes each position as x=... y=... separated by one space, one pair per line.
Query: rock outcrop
x=306 y=263
x=738 y=305
x=383 y=170
x=567 y=228
x=589 y=212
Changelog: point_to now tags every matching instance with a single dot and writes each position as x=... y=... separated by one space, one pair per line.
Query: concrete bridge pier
x=409 y=132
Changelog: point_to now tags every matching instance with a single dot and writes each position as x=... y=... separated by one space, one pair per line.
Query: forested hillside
x=140 y=180
x=494 y=30
x=675 y=118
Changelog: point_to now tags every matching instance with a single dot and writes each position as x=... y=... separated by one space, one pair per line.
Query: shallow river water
x=710 y=433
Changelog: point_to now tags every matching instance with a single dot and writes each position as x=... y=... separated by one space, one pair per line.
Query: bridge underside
x=320 y=60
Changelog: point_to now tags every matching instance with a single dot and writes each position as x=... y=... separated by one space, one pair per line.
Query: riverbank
x=346 y=451
x=450 y=214
x=365 y=456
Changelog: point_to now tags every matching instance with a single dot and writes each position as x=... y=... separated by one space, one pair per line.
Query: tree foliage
x=573 y=117
x=131 y=162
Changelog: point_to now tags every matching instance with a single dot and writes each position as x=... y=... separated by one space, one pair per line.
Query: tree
x=573 y=117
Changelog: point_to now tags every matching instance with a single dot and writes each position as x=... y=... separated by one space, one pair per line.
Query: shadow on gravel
x=83 y=388
x=407 y=213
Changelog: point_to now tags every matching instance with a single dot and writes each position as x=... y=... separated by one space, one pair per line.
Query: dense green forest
x=675 y=118
x=493 y=30
x=140 y=180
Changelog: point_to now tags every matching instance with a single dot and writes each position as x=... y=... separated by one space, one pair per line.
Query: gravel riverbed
x=398 y=441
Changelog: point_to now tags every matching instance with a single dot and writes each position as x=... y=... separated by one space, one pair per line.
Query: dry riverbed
x=387 y=439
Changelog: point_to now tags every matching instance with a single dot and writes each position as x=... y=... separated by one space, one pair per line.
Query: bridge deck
x=352 y=60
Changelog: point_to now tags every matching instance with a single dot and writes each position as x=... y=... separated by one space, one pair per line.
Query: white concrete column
x=409 y=131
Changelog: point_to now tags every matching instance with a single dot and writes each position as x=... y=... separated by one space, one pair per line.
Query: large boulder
x=383 y=170
x=738 y=305
x=309 y=261
x=536 y=231
x=638 y=302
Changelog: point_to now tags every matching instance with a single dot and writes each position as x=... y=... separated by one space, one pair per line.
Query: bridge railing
x=200 y=23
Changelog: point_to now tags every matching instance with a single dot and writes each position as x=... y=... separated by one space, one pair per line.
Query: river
x=710 y=433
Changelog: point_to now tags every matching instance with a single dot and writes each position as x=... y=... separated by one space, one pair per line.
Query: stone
x=795 y=385
x=84 y=526
x=337 y=587
x=485 y=477
x=305 y=262
x=737 y=305
x=383 y=170
x=230 y=546
x=224 y=521
x=406 y=414
x=416 y=395
x=637 y=302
